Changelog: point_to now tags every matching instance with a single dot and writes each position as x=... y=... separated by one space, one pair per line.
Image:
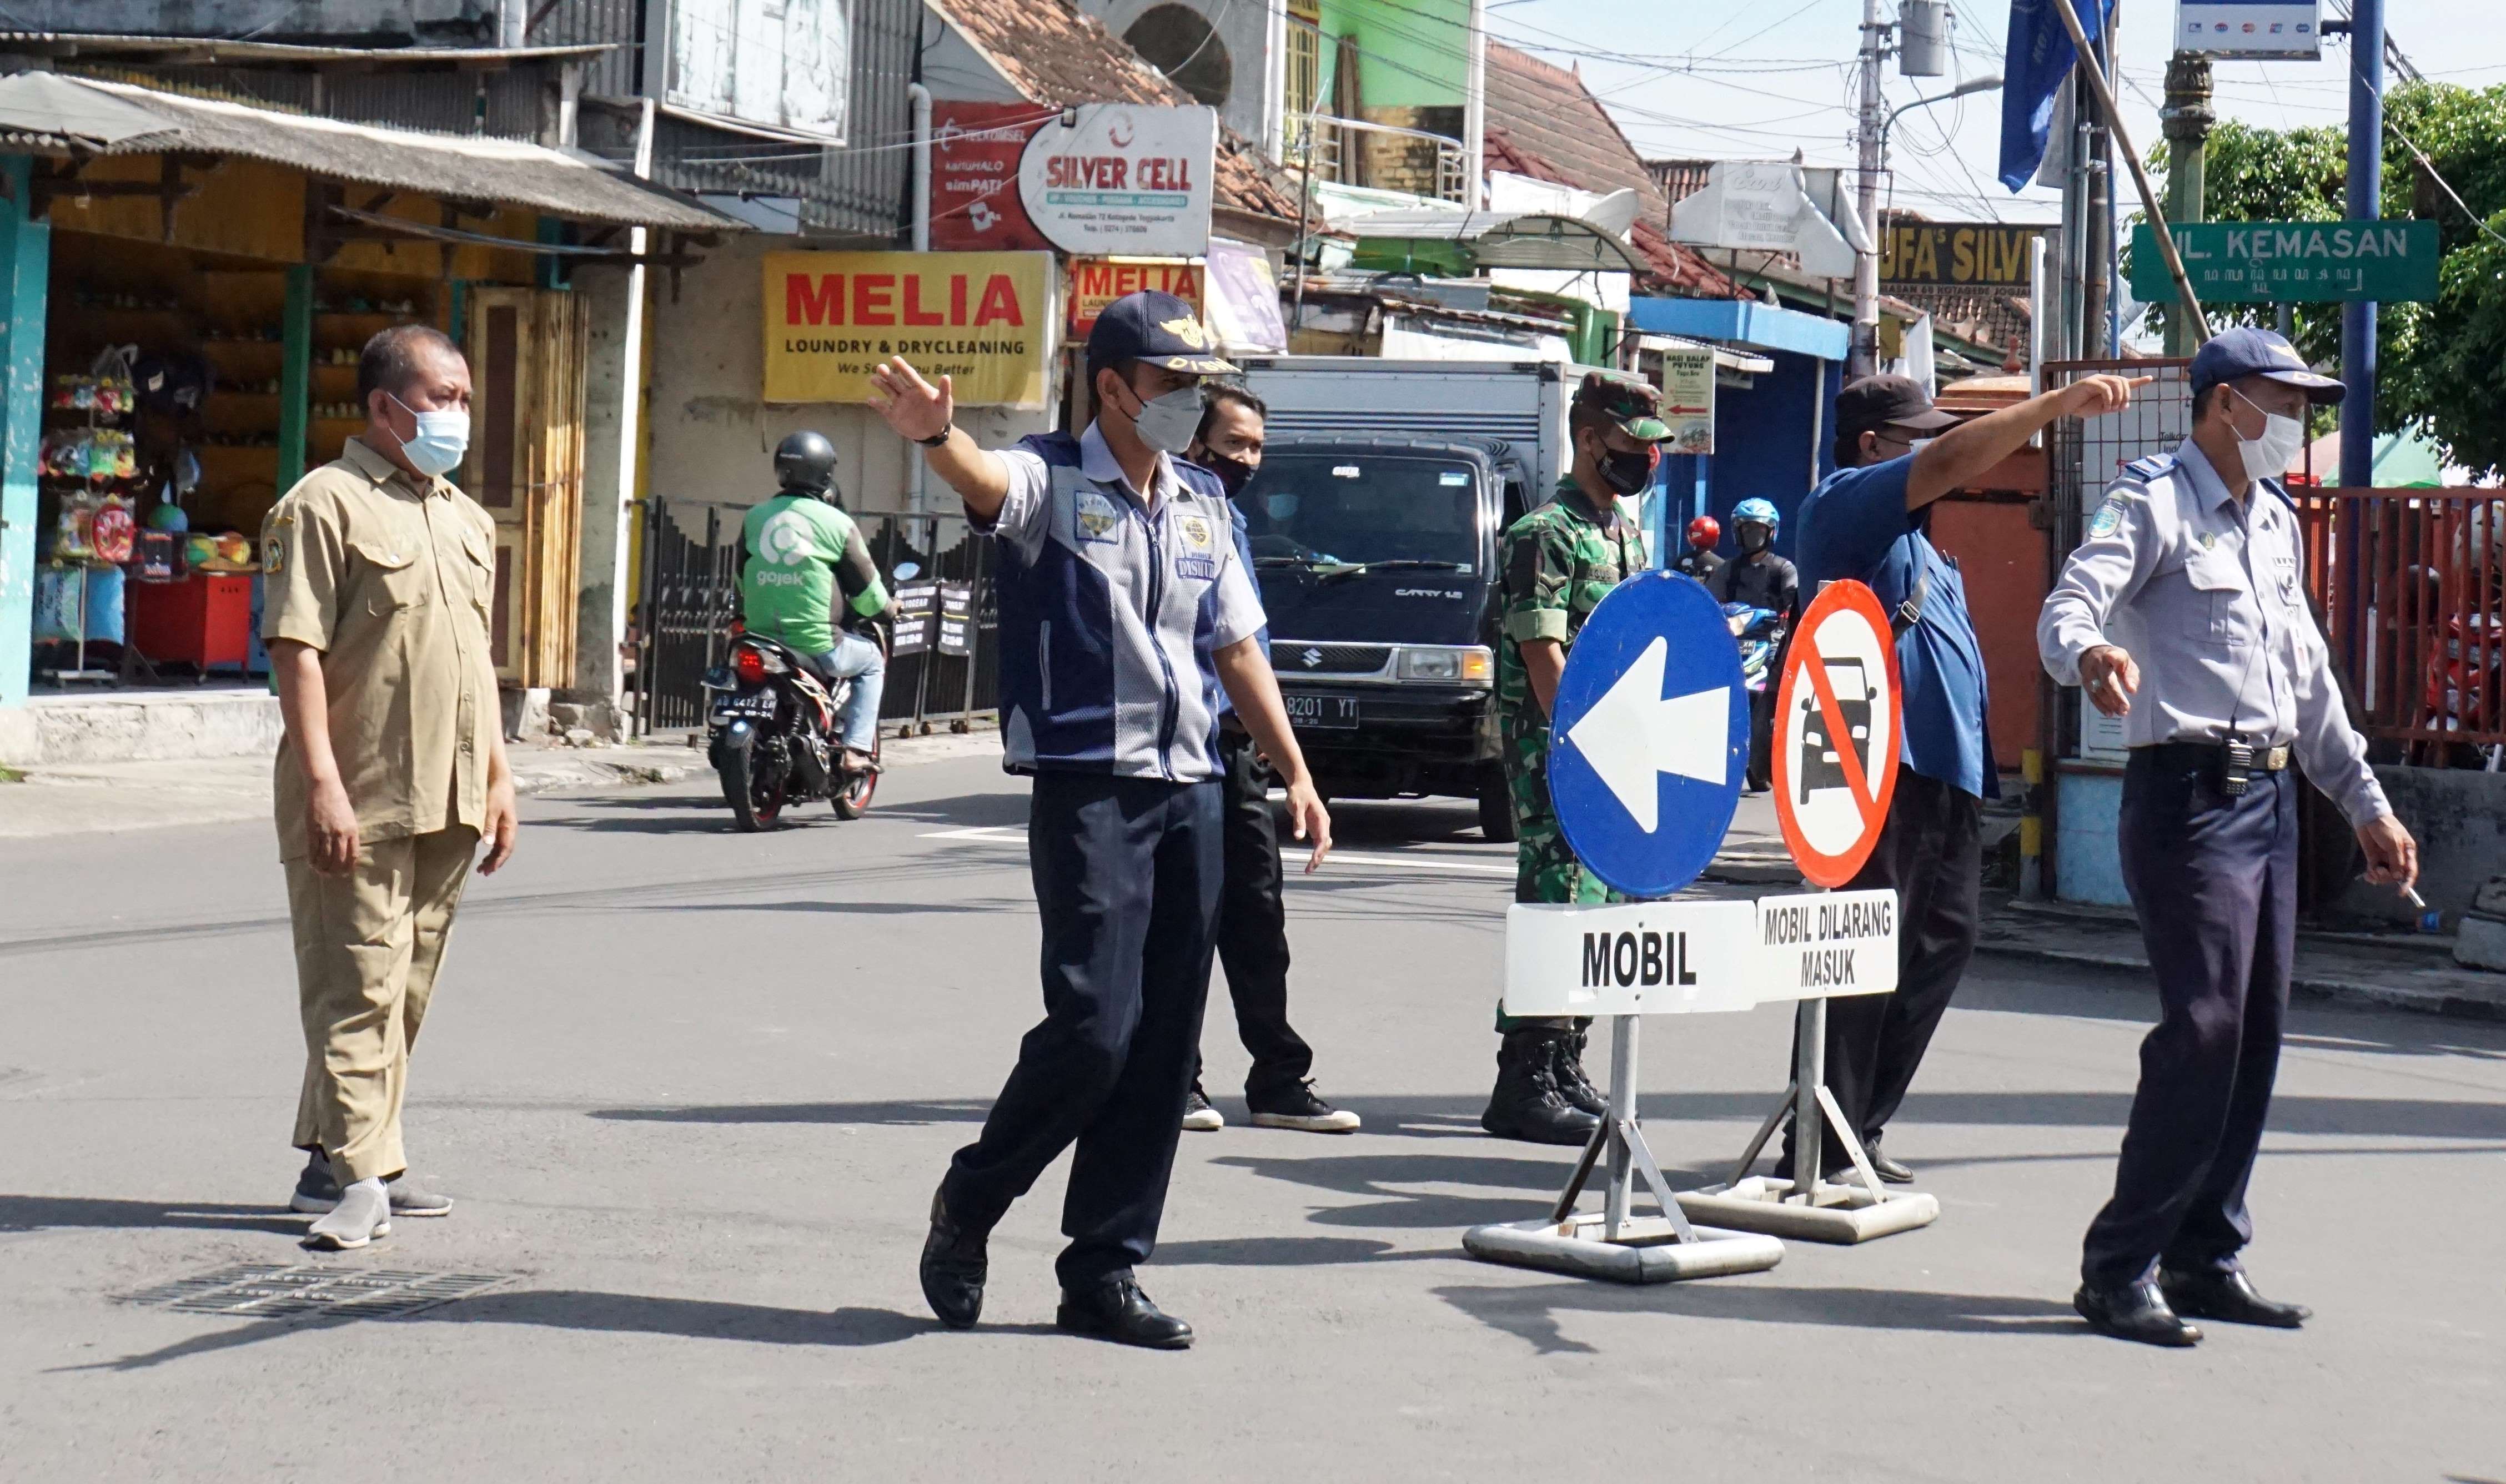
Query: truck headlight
x=1454 y=665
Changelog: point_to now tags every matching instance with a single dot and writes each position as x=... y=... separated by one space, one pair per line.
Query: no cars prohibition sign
x=1838 y=726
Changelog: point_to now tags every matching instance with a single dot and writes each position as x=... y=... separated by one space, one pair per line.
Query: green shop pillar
x=25 y=267
x=295 y=375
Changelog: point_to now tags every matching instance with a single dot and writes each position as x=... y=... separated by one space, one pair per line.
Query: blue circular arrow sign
x=1650 y=737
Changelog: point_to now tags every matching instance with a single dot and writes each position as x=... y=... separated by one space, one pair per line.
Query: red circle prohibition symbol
x=1848 y=738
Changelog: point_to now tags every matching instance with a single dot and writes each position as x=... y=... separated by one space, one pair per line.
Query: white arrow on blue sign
x=1650 y=736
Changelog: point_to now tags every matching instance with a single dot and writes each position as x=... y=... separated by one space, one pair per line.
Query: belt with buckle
x=2266 y=760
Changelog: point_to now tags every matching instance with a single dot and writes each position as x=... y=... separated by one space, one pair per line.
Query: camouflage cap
x=1632 y=405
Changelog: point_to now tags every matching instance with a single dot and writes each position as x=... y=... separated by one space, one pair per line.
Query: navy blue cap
x=1159 y=329
x=2247 y=351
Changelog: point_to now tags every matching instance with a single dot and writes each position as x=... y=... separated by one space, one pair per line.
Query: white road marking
x=1287 y=848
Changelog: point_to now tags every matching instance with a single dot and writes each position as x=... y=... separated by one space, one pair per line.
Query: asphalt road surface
x=693 y=1091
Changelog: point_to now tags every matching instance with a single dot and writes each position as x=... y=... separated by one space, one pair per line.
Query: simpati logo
x=786 y=540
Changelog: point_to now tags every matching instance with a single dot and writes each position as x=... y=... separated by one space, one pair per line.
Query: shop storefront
x=187 y=284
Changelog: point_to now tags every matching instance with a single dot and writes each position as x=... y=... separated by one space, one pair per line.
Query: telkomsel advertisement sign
x=981 y=318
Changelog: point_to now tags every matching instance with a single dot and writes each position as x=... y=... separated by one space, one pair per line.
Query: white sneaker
x=362 y=1214
x=1199 y=1118
x=1299 y=1108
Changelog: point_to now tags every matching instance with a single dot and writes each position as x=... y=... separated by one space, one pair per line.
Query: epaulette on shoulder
x=2149 y=467
x=2281 y=490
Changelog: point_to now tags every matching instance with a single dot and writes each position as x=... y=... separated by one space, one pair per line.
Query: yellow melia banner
x=983 y=318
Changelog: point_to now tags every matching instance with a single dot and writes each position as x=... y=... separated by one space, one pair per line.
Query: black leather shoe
x=2229 y=1298
x=954 y=1264
x=1890 y=1171
x=2137 y=1311
x=1117 y=1310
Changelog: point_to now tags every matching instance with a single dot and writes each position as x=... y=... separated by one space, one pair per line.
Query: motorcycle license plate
x=755 y=706
x=1332 y=711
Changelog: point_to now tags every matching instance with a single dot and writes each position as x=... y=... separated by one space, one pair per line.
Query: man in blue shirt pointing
x=1871 y=521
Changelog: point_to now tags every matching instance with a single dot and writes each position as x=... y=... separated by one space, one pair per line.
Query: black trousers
x=1127 y=873
x=1253 y=924
x=1931 y=851
x=2214 y=881
x=1761 y=739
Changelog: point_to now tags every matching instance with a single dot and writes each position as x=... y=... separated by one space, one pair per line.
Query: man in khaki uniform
x=379 y=578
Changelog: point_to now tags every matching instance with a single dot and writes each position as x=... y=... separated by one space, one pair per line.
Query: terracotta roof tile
x=1542 y=121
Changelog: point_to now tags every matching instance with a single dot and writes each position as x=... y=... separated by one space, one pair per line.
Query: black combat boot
x=1527 y=1104
x=1572 y=1084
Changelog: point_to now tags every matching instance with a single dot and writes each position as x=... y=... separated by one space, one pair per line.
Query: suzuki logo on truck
x=1313 y=658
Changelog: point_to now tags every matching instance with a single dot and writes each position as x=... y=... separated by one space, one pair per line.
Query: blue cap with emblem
x=2247 y=351
x=1159 y=329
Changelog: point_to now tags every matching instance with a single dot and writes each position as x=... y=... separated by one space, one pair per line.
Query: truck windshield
x=1363 y=509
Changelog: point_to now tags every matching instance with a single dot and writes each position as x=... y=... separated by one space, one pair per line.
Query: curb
x=2426 y=1001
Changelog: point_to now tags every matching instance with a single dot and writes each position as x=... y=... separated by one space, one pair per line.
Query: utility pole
x=2358 y=361
x=1869 y=124
x=2187 y=120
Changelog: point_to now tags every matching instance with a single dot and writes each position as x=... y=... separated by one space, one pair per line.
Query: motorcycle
x=770 y=734
x=1760 y=633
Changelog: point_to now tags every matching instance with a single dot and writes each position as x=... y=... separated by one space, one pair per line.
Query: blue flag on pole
x=2038 y=63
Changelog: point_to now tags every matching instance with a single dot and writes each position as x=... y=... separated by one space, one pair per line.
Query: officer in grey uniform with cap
x=1125 y=611
x=2184 y=612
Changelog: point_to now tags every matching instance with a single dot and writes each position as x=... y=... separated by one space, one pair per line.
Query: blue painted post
x=25 y=270
x=2359 y=360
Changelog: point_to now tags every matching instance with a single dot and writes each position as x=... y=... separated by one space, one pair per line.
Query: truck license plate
x=1337 y=710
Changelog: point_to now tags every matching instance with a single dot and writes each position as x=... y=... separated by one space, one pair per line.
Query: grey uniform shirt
x=2205 y=592
x=1127 y=596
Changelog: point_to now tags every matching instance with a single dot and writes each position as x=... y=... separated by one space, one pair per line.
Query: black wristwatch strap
x=939 y=438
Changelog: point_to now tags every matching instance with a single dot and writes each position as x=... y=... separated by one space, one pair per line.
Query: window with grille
x=1305 y=71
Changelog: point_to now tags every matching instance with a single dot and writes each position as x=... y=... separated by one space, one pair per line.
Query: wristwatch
x=939 y=438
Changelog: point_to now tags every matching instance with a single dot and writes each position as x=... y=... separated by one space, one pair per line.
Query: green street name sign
x=2284 y=262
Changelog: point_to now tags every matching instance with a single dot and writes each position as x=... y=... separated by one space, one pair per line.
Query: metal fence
x=2409 y=584
x=688 y=600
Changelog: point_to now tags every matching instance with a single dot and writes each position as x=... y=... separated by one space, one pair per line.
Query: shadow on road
x=940 y=1110
x=1286 y=1251
x=856 y=908
x=1534 y=1184
x=597 y=1313
x=1532 y=1314
x=33 y=1212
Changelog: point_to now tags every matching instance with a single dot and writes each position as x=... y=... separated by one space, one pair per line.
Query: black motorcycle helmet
x=806 y=463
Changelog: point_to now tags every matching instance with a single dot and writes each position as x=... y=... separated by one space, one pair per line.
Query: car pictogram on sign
x=1837 y=734
x=1820 y=766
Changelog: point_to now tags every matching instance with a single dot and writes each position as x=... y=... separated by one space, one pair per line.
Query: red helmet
x=1703 y=532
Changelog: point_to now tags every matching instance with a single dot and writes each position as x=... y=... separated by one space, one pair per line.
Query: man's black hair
x=389 y=362
x=1217 y=393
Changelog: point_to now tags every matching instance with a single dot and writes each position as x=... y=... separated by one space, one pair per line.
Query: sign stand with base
x=1614 y=1242
x=1827 y=1211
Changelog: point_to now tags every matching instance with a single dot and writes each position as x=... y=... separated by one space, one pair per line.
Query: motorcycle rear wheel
x=852 y=800
x=756 y=801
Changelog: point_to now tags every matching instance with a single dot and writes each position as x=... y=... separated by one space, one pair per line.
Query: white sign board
x=1123 y=180
x=1689 y=958
x=778 y=62
x=1638 y=958
x=1826 y=943
x=1688 y=398
x=2290 y=30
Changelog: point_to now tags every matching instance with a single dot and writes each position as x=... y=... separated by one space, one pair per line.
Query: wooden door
x=526 y=349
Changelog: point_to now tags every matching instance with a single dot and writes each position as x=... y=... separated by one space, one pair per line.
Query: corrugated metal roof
x=42 y=111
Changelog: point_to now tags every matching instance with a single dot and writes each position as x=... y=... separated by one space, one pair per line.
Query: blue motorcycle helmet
x=1755 y=513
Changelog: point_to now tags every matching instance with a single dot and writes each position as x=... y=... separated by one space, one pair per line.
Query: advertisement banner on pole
x=1095 y=282
x=1961 y=252
x=1688 y=400
x=1124 y=178
x=974 y=153
x=981 y=318
x=2286 y=29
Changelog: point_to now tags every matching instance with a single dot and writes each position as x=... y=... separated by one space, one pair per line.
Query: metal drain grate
x=273 y=1290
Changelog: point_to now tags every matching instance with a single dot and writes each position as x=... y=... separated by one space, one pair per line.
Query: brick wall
x=1391 y=163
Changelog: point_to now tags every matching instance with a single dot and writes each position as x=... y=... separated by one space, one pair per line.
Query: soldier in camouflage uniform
x=1560 y=561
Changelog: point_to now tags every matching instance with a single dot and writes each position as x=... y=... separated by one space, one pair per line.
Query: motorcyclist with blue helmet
x=1761 y=579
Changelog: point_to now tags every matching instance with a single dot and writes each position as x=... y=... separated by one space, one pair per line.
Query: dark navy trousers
x=2214 y=880
x=1126 y=879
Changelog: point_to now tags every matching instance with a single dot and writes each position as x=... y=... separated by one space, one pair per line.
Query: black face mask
x=1755 y=538
x=1625 y=473
x=1231 y=473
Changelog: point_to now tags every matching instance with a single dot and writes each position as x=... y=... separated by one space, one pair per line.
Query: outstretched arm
x=917 y=409
x=1962 y=455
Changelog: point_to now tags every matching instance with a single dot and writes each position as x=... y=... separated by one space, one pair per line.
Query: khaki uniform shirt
x=391 y=578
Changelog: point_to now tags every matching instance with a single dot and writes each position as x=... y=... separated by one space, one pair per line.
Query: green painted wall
x=1416 y=52
x=25 y=263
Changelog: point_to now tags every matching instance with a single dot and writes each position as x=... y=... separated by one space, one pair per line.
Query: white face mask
x=1167 y=423
x=2268 y=456
x=441 y=438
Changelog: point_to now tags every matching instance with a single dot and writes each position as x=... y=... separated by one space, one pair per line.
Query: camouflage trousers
x=1545 y=867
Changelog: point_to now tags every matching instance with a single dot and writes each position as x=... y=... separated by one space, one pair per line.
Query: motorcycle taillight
x=751 y=666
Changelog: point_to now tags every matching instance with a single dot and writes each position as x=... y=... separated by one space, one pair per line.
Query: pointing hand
x=2096 y=396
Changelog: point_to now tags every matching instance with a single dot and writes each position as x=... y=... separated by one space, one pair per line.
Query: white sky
x=1759 y=78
